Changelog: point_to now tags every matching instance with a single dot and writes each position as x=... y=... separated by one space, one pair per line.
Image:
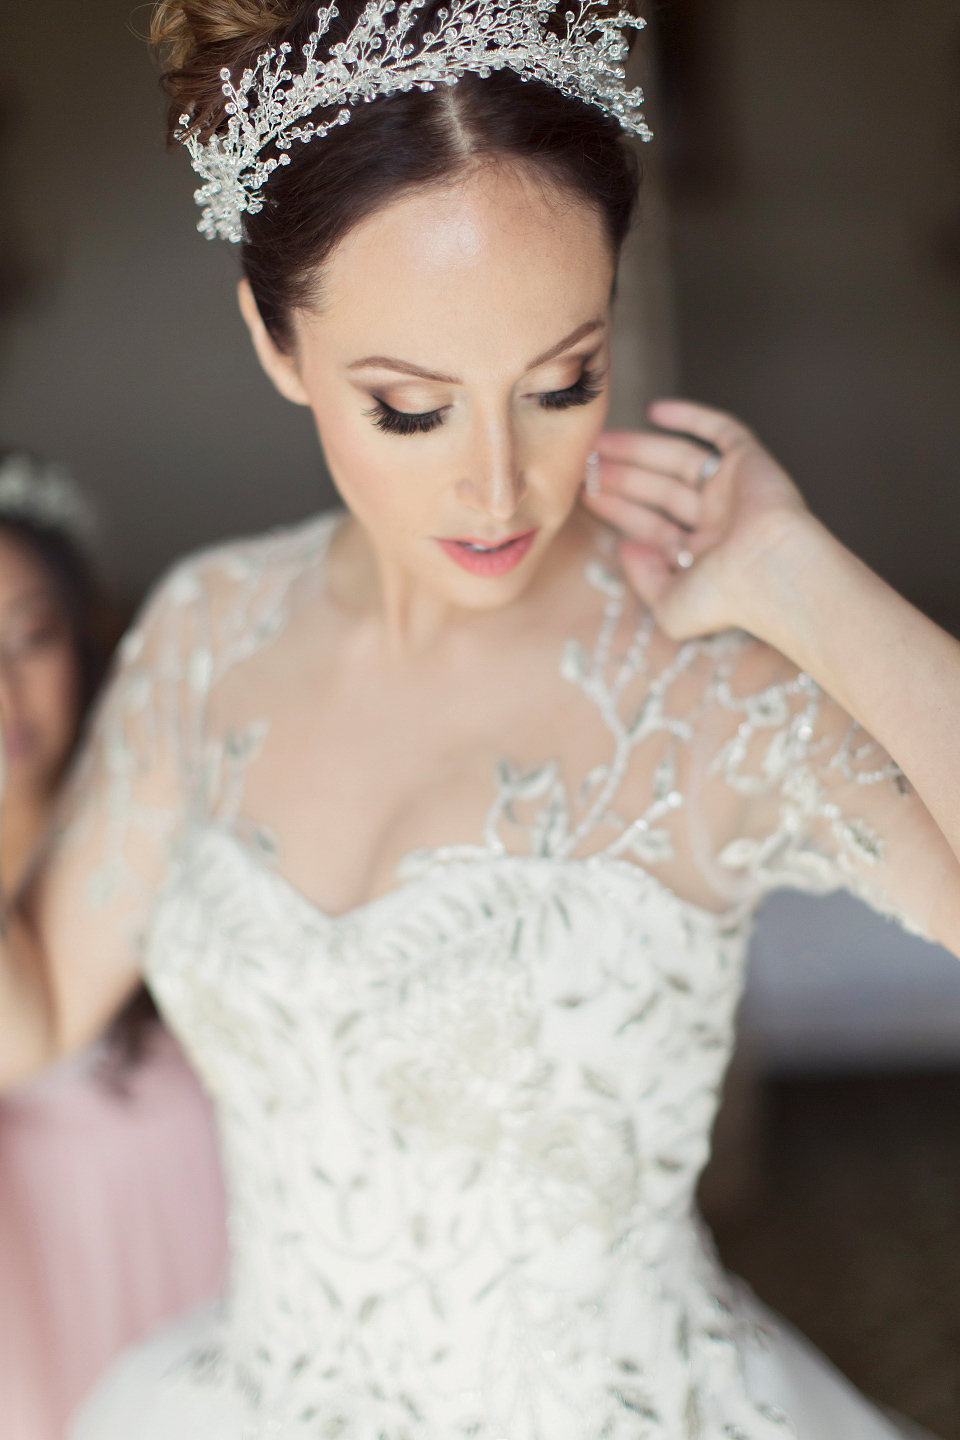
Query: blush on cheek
x=388 y=492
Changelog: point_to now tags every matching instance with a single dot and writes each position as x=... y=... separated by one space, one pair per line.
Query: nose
x=494 y=483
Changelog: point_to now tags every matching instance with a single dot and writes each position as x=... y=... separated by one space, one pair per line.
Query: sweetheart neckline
x=719 y=920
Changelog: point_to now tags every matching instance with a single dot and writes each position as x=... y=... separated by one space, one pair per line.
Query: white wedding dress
x=463 y=1122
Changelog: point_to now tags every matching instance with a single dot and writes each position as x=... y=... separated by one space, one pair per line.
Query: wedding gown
x=463 y=1122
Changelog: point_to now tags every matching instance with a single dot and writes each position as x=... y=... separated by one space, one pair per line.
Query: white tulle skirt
x=145 y=1398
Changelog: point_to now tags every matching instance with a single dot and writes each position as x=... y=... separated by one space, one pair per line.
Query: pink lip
x=494 y=559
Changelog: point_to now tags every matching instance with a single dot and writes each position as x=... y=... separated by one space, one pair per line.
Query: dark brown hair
x=394 y=145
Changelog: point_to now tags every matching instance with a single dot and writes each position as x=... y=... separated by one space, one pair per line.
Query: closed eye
x=405 y=422
x=588 y=388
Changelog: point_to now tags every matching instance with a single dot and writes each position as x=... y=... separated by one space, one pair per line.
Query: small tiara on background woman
x=378 y=58
x=45 y=495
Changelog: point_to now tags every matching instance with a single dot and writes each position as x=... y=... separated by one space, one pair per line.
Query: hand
x=692 y=539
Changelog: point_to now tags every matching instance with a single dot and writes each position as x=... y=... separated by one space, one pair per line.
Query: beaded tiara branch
x=270 y=103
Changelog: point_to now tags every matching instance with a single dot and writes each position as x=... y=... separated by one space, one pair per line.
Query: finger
x=715 y=427
x=647 y=570
x=670 y=454
x=662 y=492
x=639 y=523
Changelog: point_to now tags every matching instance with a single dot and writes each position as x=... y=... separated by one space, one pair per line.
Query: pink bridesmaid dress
x=111 y=1223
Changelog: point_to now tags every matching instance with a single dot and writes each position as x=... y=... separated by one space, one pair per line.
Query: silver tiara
x=45 y=495
x=379 y=58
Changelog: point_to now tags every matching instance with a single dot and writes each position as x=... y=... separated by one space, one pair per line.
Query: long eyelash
x=401 y=422
x=581 y=392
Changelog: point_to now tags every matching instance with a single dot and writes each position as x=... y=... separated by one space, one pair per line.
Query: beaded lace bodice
x=463 y=1122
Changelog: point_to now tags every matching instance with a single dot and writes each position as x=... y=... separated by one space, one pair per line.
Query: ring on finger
x=709 y=468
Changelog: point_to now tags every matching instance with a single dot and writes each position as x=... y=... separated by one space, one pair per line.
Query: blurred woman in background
x=111 y=1207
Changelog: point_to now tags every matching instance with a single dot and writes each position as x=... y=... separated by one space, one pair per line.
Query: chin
x=490 y=595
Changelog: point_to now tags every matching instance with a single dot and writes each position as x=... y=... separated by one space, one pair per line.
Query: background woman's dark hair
x=394 y=145
x=94 y=630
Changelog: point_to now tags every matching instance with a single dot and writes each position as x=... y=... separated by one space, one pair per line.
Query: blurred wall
x=127 y=360
x=126 y=357
x=816 y=246
x=812 y=150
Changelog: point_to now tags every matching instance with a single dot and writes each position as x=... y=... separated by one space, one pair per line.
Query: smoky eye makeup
x=587 y=388
x=584 y=390
x=404 y=422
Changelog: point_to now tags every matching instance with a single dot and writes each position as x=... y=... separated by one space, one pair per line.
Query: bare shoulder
x=226 y=588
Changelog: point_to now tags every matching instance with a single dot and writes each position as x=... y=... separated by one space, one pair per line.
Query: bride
x=437 y=825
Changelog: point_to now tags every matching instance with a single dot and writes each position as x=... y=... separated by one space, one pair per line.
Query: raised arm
x=757 y=560
x=71 y=943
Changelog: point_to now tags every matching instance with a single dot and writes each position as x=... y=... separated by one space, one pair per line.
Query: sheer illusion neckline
x=428 y=871
x=603 y=677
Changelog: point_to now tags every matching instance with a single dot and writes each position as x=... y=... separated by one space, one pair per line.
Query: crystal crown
x=271 y=104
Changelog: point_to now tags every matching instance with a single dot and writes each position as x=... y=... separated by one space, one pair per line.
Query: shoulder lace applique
x=159 y=763
x=816 y=844
x=782 y=748
x=562 y=823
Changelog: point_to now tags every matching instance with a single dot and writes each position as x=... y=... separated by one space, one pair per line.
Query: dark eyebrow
x=565 y=344
x=404 y=367
x=383 y=362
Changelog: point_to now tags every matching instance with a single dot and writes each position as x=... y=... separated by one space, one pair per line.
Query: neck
x=413 y=619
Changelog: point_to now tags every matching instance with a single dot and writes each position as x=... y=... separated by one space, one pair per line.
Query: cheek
x=554 y=450
x=51 y=691
x=385 y=480
x=560 y=450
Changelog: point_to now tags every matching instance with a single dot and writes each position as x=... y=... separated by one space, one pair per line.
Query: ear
x=281 y=368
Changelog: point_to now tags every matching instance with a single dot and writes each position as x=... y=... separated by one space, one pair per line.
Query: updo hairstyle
x=390 y=147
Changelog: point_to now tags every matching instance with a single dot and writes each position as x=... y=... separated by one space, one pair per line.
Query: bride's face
x=457 y=366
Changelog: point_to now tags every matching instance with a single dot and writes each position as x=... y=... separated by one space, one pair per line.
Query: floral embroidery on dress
x=464 y=1123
